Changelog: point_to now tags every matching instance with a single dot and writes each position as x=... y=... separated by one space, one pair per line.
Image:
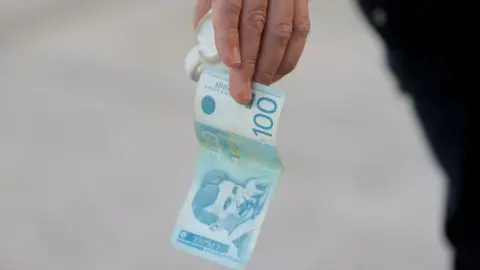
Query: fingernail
x=247 y=92
x=236 y=59
x=245 y=95
x=239 y=87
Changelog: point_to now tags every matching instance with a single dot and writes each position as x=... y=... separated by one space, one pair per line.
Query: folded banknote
x=237 y=171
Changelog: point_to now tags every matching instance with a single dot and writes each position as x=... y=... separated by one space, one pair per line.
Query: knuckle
x=251 y=62
x=287 y=68
x=256 y=18
x=228 y=35
x=302 y=27
x=265 y=78
x=224 y=33
x=231 y=36
x=283 y=31
x=232 y=9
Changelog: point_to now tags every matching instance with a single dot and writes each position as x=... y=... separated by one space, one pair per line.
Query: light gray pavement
x=97 y=147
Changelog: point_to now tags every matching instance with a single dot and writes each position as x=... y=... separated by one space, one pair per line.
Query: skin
x=259 y=40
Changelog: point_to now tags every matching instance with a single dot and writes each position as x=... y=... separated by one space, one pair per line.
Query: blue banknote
x=236 y=175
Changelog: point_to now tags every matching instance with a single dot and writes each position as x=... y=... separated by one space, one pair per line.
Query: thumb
x=201 y=8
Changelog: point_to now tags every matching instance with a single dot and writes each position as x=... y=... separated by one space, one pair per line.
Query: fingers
x=275 y=38
x=201 y=8
x=252 y=47
x=226 y=16
x=296 y=44
x=252 y=23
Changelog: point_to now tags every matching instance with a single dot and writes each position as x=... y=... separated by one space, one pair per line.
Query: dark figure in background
x=426 y=51
x=425 y=47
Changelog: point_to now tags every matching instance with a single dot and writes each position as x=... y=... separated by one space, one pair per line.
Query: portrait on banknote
x=226 y=204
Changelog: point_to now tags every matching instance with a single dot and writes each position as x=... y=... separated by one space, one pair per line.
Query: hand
x=259 y=40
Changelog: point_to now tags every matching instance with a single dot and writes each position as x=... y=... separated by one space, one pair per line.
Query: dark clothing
x=425 y=51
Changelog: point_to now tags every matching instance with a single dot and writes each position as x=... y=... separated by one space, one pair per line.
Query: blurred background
x=97 y=146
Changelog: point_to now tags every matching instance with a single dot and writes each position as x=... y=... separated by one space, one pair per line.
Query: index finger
x=252 y=23
x=226 y=15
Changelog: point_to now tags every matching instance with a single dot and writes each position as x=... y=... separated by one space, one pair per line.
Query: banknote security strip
x=237 y=172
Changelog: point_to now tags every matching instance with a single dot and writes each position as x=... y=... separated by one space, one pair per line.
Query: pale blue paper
x=236 y=175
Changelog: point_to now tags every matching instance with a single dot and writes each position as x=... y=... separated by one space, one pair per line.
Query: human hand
x=259 y=40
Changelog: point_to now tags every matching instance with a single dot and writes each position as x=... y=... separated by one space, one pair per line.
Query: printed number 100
x=262 y=121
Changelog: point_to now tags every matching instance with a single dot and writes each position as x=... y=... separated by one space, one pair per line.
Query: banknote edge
x=272 y=90
x=184 y=248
